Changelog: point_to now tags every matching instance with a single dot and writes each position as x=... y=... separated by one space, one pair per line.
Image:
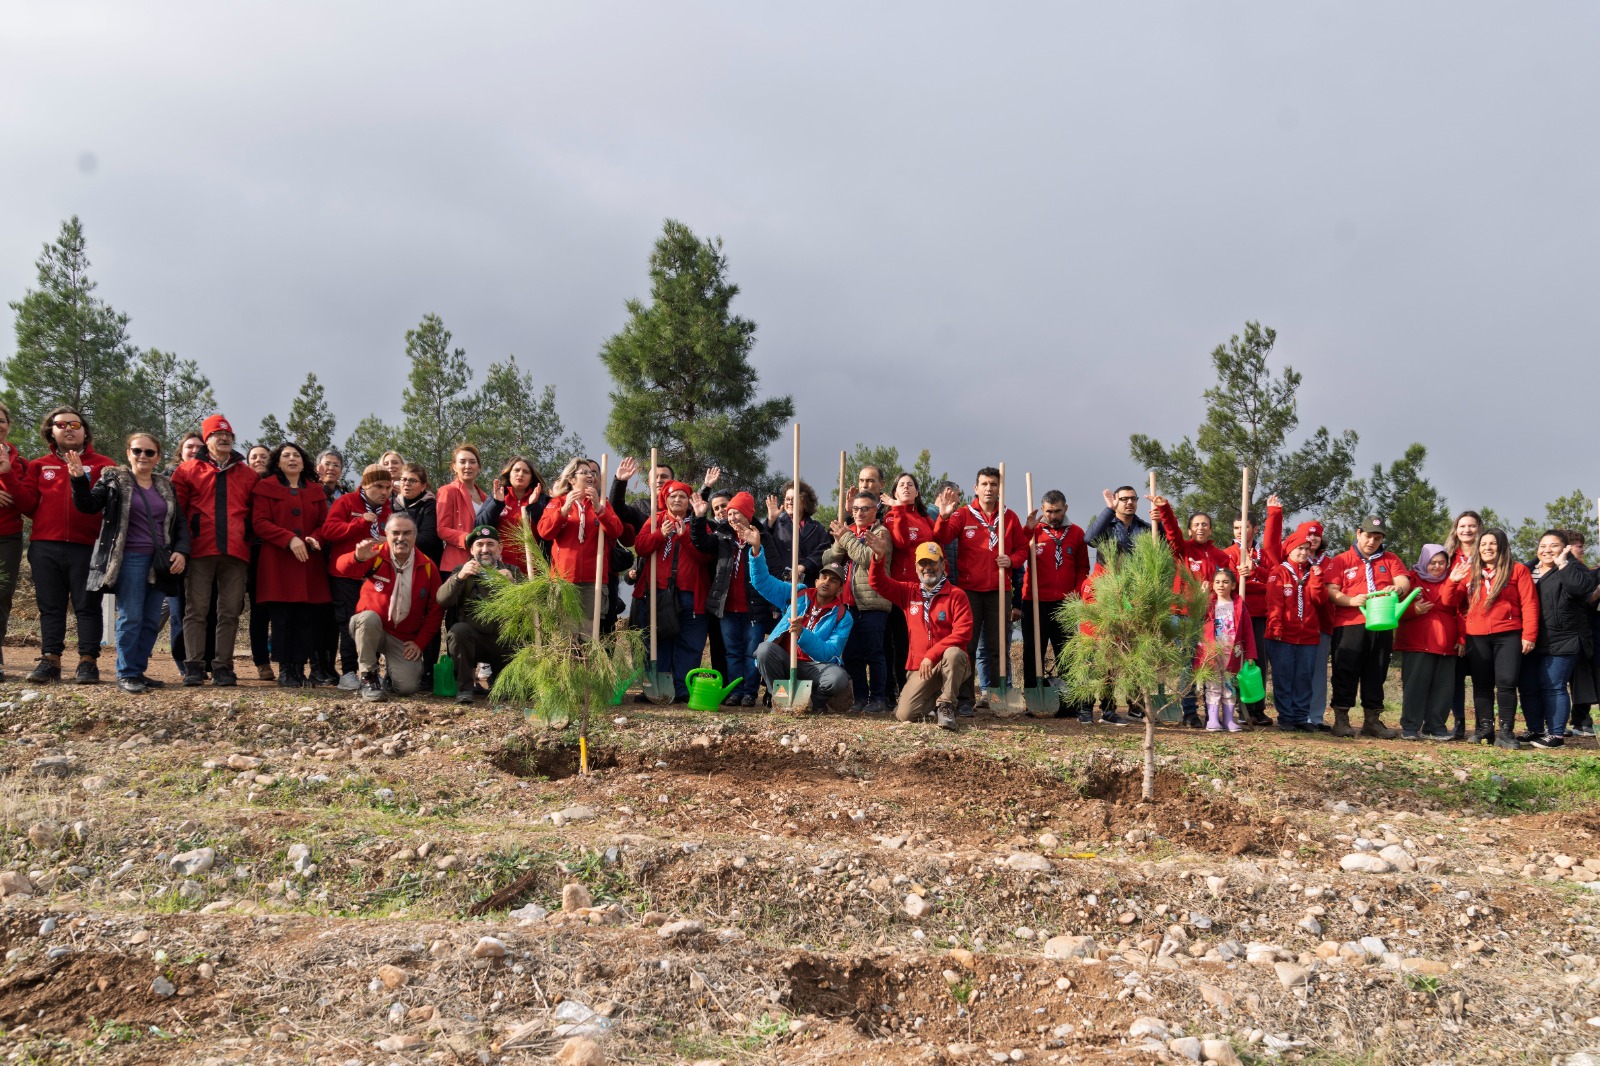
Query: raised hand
x=74 y=464
x=367 y=549
x=627 y=468
x=879 y=543
x=774 y=509
x=1273 y=501
x=838 y=529
x=700 y=506
x=948 y=500
x=1109 y=496
x=751 y=536
x=1460 y=571
x=712 y=476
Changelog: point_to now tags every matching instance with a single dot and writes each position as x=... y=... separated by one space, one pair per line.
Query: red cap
x=215 y=424
x=744 y=503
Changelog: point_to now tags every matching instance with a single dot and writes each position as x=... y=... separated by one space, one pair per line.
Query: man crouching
x=939 y=621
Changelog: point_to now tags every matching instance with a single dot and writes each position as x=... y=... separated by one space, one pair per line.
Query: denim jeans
x=1293 y=666
x=138 y=615
x=1546 y=704
x=742 y=633
x=1319 y=680
x=683 y=652
x=864 y=657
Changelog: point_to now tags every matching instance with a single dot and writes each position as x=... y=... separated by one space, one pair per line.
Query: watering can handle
x=702 y=672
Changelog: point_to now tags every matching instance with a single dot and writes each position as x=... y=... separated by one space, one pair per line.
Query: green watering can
x=1251 y=686
x=444 y=676
x=1384 y=608
x=705 y=689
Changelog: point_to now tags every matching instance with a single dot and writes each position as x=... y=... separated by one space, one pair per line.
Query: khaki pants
x=228 y=574
x=918 y=696
x=372 y=640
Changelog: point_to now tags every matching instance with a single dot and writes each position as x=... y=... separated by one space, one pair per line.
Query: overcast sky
x=1000 y=231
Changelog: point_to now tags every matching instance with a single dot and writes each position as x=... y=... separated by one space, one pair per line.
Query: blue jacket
x=825 y=642
x=1105 y=528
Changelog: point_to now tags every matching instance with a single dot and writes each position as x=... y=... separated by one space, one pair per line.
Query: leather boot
x=1372 y=726
x=1484 y=733
x=1341 y=723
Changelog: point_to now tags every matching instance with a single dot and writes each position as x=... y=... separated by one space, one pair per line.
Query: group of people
x=897 y=603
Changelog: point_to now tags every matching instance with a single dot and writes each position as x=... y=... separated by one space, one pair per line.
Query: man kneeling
x=398 y=611
x=939 y=620
x=471 y=640
x=821 y=625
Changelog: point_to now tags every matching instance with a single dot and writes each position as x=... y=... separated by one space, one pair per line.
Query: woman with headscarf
x=1426 y=641
x=680 y=580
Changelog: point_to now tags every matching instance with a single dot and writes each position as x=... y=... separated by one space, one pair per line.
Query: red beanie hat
x=744 y=503
x=215 y=424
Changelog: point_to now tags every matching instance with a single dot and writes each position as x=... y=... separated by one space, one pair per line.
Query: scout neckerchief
x=927 y=603
x=1058 y=540
x=1366 y=562
x=1299 y=587
x=992 y=525
x=815 y=612
x=669 y=549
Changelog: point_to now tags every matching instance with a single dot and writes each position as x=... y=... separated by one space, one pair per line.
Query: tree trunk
x=1148 y=792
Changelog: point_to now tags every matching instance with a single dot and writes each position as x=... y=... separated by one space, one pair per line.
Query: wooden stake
x=1033 y=577
x=794 y=559
x=1244 y=517
x=1002 y=588
x=844 y=508
x=599 y=556
x=650 y=490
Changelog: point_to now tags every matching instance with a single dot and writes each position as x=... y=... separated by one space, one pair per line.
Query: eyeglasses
x=1127 y=499
x=145 y=453
x=67 y=425
x=411 y=481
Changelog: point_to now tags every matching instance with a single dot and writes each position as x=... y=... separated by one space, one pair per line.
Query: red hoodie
x=344 y=527
x=43 y=492
x=907 y=528
x=691 y=563
x=1517 y=606
x=945 y=622
x=573 y=543
x=1063 y=563
x=11 y=514
x=977 y=545
x=1201 y=560
x=1437 y=632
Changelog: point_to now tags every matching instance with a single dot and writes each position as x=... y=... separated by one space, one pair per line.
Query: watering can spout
x=731 y=686
x=1407 y=602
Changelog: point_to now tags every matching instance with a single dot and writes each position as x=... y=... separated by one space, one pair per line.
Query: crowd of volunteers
x=905 y=603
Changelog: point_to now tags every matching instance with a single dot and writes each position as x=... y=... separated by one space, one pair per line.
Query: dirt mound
x=78 y=995
x=547 y=758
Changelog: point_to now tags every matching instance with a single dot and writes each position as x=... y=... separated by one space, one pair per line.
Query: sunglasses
x=145 y=453
x=1127 y=499
x=67 y=425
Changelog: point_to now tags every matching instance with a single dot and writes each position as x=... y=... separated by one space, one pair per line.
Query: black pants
x=719 y=650
x=324 y=638
x=292 y=632
x=10 y=567
x=1360 y=660
x=60 y=581
x=346 y=594
x=896 y=646
x=1496 y=665
x=261 y=650
x=1052 y=639
x=469 y=644
x=985 y=617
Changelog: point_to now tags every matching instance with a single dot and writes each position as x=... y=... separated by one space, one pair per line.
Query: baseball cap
x=1372 y=524
x=930 y=550
x=832 y=568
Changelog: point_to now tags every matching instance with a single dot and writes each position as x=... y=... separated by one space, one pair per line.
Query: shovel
x=793 y=695
x=658 y=687
x=1011 y=701
x=1042 y=700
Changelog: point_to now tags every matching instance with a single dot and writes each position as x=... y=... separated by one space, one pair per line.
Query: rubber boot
x=1341 y=723
x=1372 y=726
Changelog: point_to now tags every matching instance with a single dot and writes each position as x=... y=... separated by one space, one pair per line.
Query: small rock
x=489 y=947
x=1220 y=1052
x=192 y=863
x=1215 y=885
x=393 y=977
x=1069 y=947
x=574 y=898
x=578 y=813
x=1187 y=1046
x=13 y=883
x=399 y=1042
x=1028 y=861
x=532 y=912
x=163 y=988
x=51 y=766
x=95 y=783
x=243 y=762
x=1291 y=975
x=686 y=927
x=961 y=957
x=1311 y=925
x=1361 y=862
x=916 y=906
x=1049 y=841
x=43 y=835
x=1428 y=967
x=1219 y=999
x=1399 y=857
x=1151 y=1027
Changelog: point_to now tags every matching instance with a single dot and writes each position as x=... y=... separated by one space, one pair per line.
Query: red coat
x=570 y=557
x=1439 y=631
x=1517 y=606
x=421 y=623
x=278 y=515
x=43 y=491
x=908 y=528
x=975 y=556
x=946 y=624
x=1086 y=593
x=1057 y=580
x=1347 y=573
x=691 y=563
x=1255 y=586
x=453 y=509
x=11 y=514
x=1244 y=639
x=217 y=502
x=1295 y=598
x=1201 y=560
x=344 y=527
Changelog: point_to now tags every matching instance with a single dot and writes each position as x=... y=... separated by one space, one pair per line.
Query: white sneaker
x=350 y=682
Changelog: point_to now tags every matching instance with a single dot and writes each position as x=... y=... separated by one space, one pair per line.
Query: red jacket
x=43 y=491
x=570 y=557
x=1244 y=639
x=1201 y=560
x=947 y=622
x=1295 y=598
x=1347 y=573
x=1517 y=606
x=1255 y=586
x=344 y=527
x=11 y=514
x=377 y=588
x=975 y=555
x=453 y=509
x=691 y=561
x=1063 y=563
x=908 y=528
x=217 y=502
x=1086 y=593
x=1439 y=631
x=279 y=514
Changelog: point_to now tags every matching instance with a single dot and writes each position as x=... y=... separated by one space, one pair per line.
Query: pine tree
x=436 y=410
x=682 y=371
x=1249 y=419
x=514 y=419
x=1408 y=502
x=173 y=396
x=365 y=444
x=310 y=424
x=72 y=348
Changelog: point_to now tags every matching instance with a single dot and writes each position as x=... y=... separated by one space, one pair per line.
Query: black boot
x=1505 y=739
x=1484 y=734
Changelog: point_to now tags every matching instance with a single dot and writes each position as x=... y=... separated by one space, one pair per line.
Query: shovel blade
x=791 y=696
x=1042 y=701
x=658 y=685
x=1009 y=702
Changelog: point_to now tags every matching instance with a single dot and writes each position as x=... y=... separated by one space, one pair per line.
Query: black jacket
x=1565 y=626
x=422 y=512
x=814 y=540
x=716 y=540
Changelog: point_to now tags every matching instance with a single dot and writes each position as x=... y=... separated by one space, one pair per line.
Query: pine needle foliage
x=557 y=672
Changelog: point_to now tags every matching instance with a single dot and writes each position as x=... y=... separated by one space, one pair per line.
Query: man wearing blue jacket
x=821 y=624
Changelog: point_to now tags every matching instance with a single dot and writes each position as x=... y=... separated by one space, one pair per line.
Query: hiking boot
x=945 y=716
x=982 y=702
x=1086 y=718
x=264 y=672
x=1372 y=726
x=1547 y=741
x=1528 y=737
x=193 y=677
x=875 y=707
x=371 y=687
x=1504 y=739
x=1407 y=736
x=130 y=684
x=1304 y=727
x=1193 y=721
x=49 y=669
x=289 y=679
x=224 y=677
x=965 y=710
x=1484 y=734
x=88 y=671
x=463 y=697
x=150 y=682
x=1442 y=738
x=1341 y=723
x=857 y=706
x=1321 y=727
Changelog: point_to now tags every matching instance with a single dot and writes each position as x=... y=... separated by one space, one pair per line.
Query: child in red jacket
x=1295 y=600
x=1227 y=641
x=1428 y=640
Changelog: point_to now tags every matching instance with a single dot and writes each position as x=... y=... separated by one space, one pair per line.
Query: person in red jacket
x=10 y=530
x=1253 y=576
x=906 y=519
x=1057 y=563
x=352 y=518
x=291 y=573
x=981 y=572
x=939 y=621
x=398 y=613
x=61 y=543
x=1427 y=639
x=455 y=504
x=1361 y=655
x=1502 y=624
x=215 y=491
x=1295 y=600
x=1198 y=559
x=1226 y=642
x=680 y=566
x=571 y=523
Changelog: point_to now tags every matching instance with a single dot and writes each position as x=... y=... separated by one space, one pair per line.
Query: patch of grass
x=112 y=1032
x=1498 y=781
x=1425 y=983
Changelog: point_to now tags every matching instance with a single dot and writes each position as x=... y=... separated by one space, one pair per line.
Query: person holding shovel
x=740 y=615
x=820 y=626
x=1057 y=566
x=573 y=522
x=864 y=657
x=1198 y=560
x=681 y=581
